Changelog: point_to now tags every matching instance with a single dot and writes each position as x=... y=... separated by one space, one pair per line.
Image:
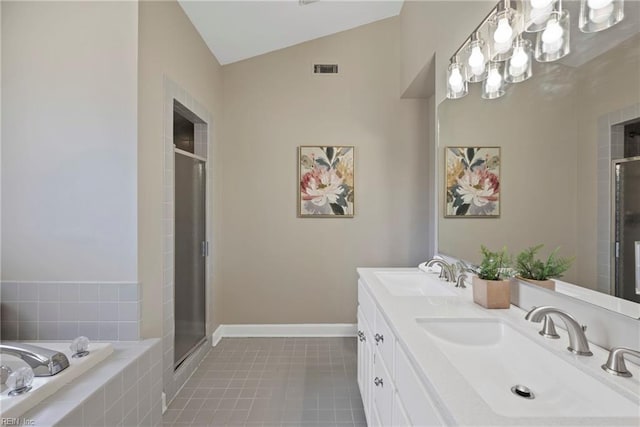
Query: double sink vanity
x=427 y=355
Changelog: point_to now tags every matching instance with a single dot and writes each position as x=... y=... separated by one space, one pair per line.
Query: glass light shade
x=475 y=61
x=552 y=43
x=494 y=85
x=502 y=31
x=598 y=15
x=456 y=81
x=518 y=68
x=536 y=13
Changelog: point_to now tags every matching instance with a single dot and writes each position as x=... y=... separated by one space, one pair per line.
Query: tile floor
x=273 y=382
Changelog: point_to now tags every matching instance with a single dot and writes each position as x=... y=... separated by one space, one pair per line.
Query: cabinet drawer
x=384 y=340
x=368 y=307
x=417 y=402
x=383 y=392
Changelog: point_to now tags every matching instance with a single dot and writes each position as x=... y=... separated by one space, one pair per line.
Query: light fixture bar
x=486 y=19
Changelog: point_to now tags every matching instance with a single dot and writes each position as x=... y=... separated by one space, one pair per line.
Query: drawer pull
x=378 y=382
x=361 y=336
x=379 y=338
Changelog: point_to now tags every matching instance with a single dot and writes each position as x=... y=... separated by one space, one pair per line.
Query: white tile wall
x=61 y=311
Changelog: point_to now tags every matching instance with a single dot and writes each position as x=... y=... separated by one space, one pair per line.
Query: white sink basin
x=414 y=283
x=493 y=357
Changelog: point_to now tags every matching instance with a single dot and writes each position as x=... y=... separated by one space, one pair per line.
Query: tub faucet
x=578 y=343
x=44 y=362
x=446 y=272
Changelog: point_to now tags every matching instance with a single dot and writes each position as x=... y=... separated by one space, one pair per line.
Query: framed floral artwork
x=325 y=182
x=472 y=182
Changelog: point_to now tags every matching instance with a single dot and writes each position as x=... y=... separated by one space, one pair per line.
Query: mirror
x=560 y=134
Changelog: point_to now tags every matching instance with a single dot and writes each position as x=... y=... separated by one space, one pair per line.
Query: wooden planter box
x=547 y=284
x=492 y=293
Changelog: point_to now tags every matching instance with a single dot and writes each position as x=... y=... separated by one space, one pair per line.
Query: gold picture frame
x=472 y=182
x=326 y=181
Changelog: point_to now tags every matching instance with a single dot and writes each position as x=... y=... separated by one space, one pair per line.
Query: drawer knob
x=379 y=338
x=378 y=382
x=361 y=336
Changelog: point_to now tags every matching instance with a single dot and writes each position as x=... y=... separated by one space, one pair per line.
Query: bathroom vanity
x=427 y=356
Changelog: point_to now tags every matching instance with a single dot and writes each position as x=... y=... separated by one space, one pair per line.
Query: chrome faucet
x=44 y=362
x=578 y=343
x=615 y=363
x=446 y=271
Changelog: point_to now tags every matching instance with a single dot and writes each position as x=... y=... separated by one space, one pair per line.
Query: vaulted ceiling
x=239 y=29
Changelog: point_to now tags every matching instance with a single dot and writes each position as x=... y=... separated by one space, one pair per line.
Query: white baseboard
x=286 y=330
x=217 y=335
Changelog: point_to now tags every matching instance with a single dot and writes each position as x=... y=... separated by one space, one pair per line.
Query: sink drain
x=522 y=391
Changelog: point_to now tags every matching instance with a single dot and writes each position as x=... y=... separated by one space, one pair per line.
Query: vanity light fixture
x=536 y=13
x=493 y=86
x=456 y=80
x=518 y=68
x=598 y=15
x=476 y=59
x=507 y=56
x=552 y=43
x=502 y=31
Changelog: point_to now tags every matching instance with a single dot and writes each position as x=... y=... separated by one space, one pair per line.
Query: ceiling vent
x=325 y=68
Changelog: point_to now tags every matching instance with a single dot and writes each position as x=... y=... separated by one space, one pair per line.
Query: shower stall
x=627 y=228
x=191 y=246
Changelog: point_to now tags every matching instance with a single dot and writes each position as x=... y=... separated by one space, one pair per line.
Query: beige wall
x=607 y=84
x=431 y=31
x=536 y=131
x=69 y=94
x=169 y=45
x=277 y=268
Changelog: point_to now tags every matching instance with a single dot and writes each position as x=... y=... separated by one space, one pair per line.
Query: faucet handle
x=79 y=347
x=20 y=381
x=615 y=363
x=549 y=328
x=460 y=281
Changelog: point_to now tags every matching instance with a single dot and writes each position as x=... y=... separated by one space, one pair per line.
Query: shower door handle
x=204 y=248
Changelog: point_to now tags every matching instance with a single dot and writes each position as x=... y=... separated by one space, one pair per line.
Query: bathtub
x=14 y=407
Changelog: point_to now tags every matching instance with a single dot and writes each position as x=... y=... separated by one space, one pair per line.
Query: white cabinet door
x=365 y=363
x=416 y=400
x=383 y=391
x=400 y=417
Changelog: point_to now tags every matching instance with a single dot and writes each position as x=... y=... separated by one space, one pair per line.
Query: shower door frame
x=614 y=223
x=178 y=362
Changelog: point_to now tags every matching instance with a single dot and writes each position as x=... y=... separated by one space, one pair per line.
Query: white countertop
x=457 y=400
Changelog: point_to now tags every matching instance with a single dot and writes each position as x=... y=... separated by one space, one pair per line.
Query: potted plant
x=491 y=287
x=538 y=272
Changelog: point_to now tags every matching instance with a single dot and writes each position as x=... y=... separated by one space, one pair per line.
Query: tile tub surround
x=63 y=311
x=124 y=390
x=273 y=382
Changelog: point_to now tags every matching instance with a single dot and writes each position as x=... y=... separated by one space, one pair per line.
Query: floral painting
x=473 y=182
x=325 y=181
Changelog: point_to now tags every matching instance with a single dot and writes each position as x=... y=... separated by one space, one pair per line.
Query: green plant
x=494 y=265
x=529 y=267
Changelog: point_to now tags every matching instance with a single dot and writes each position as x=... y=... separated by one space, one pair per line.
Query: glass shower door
x=189 y=255
x=627 y=229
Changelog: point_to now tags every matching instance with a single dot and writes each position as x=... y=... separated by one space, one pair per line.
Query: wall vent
x=325 y=68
